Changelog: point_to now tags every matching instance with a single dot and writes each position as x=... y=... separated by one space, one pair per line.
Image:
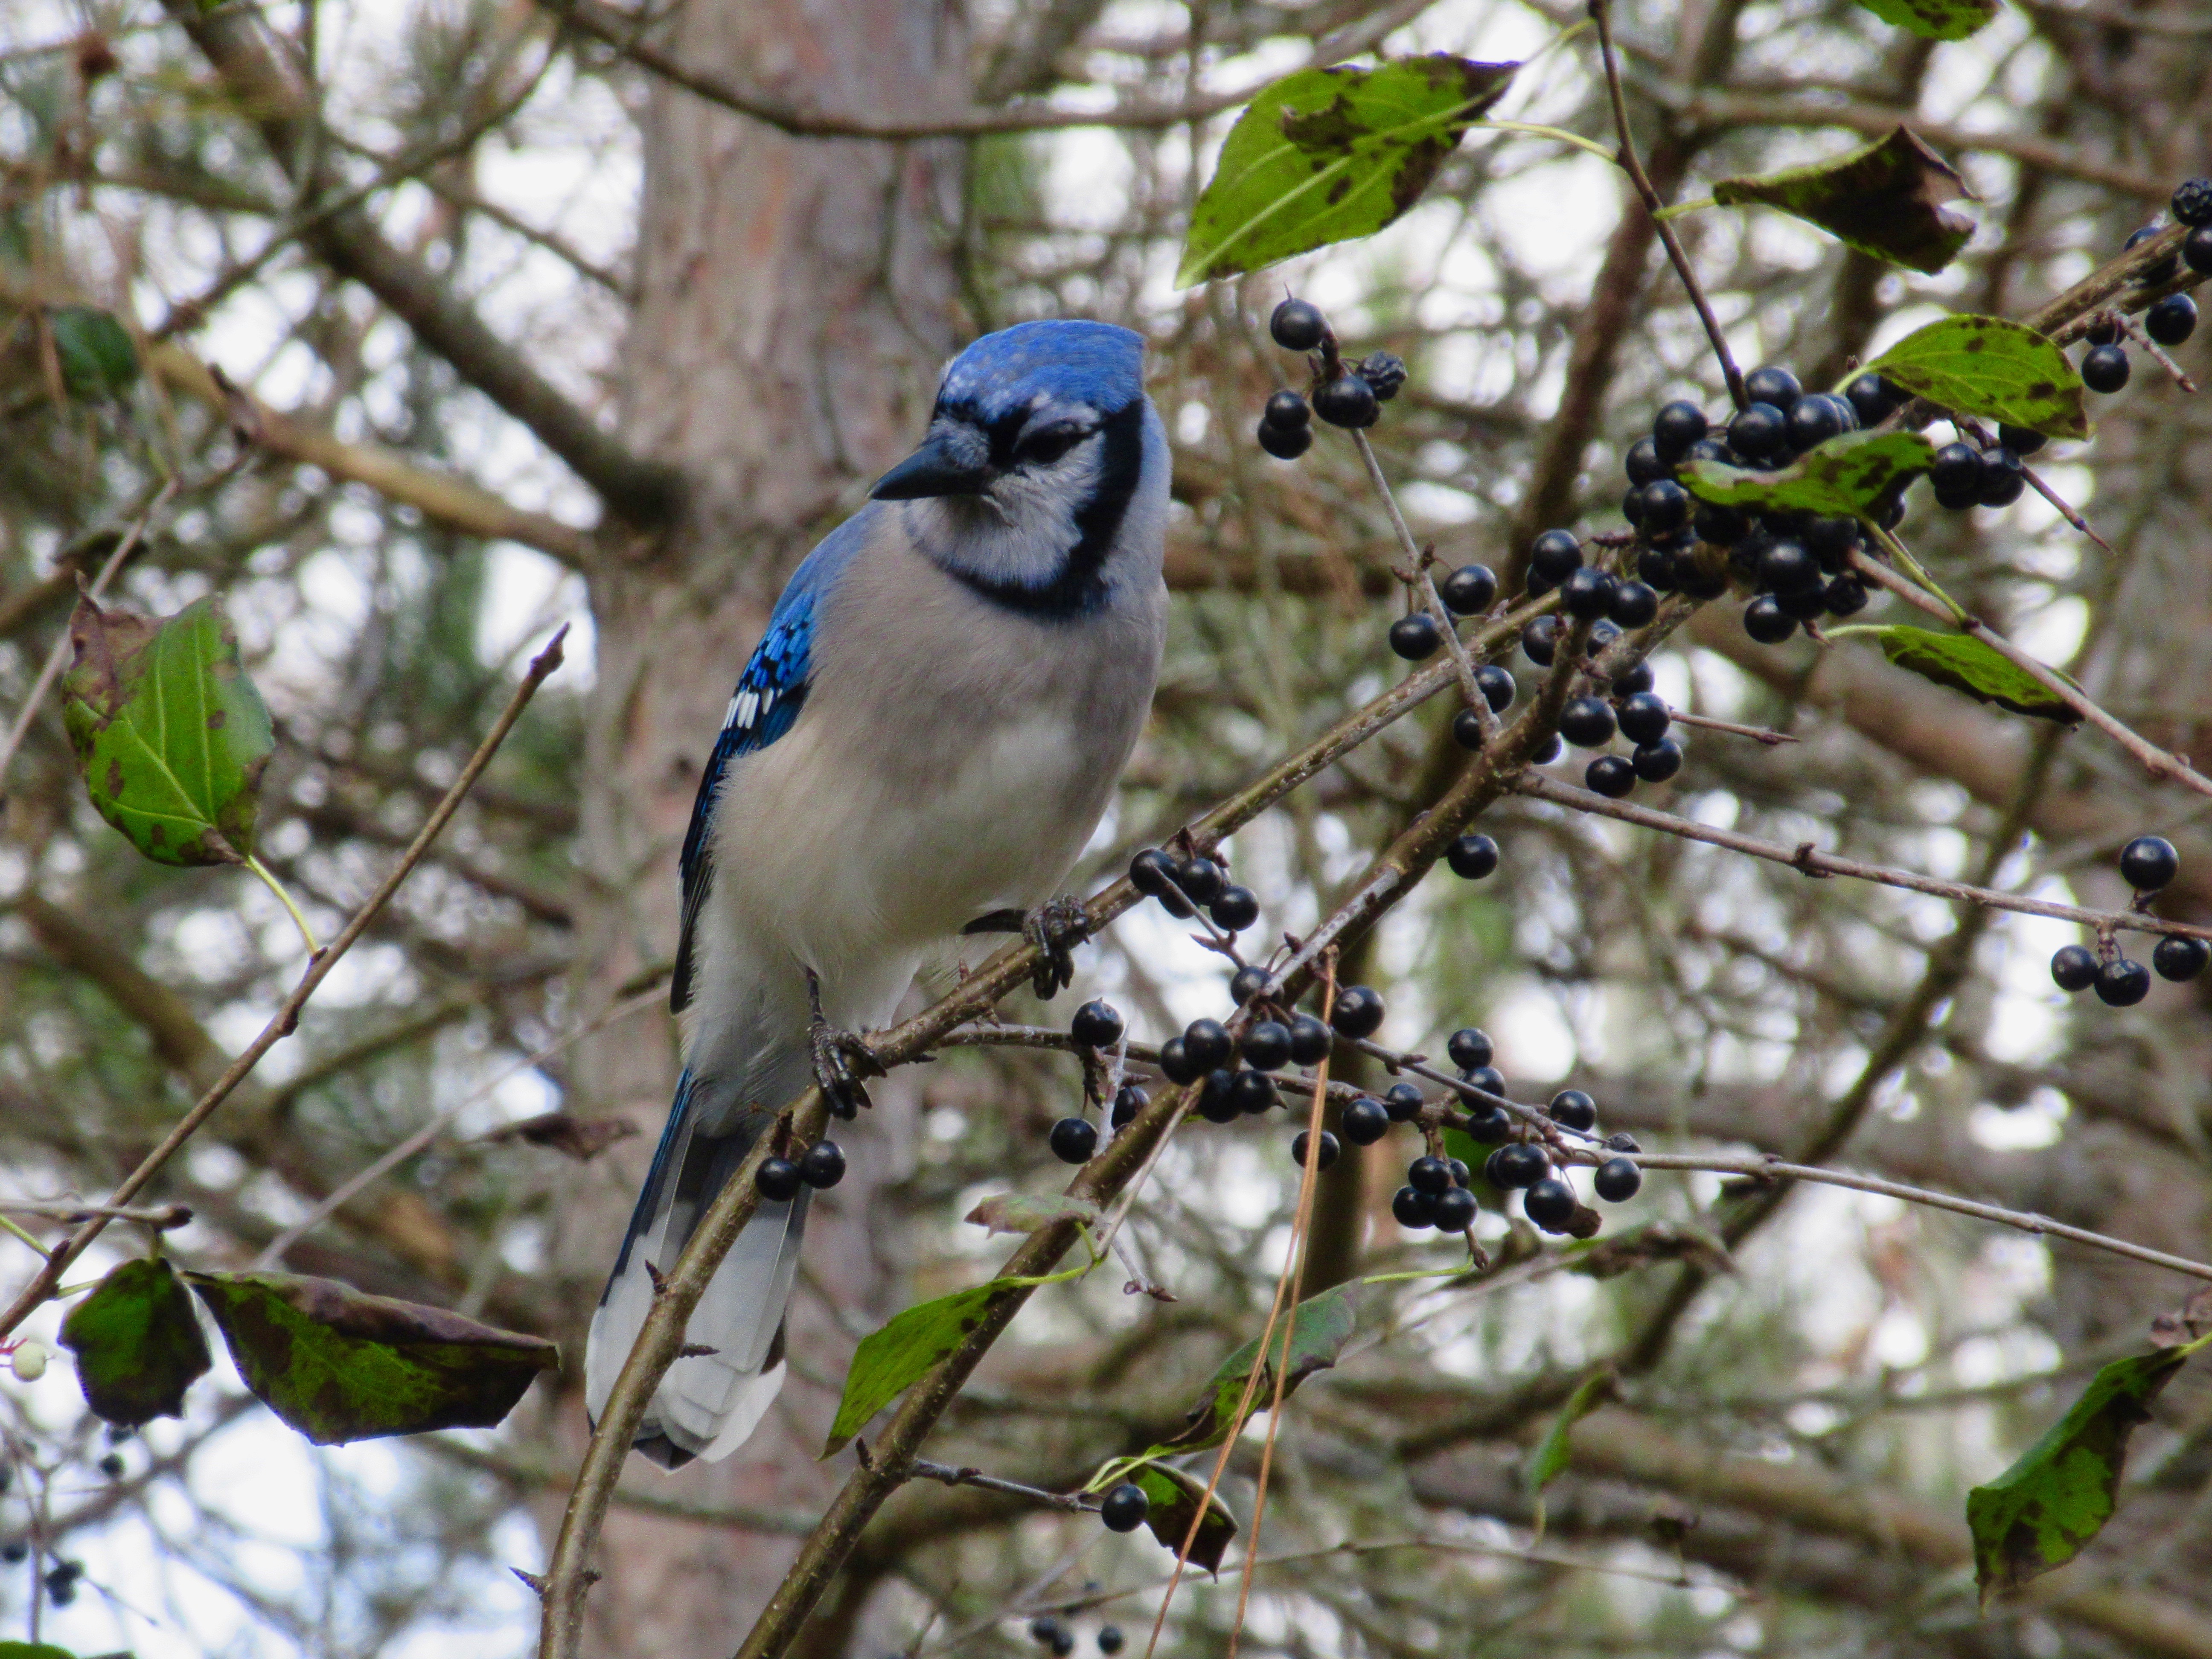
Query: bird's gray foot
x=1055 y=928
x=840 y=1059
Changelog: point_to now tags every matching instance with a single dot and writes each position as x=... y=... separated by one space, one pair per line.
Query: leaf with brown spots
x=1853 y=476
x=1886 y=198
x=339 y=1365
x=1993 y=369
x=889 y=1361
x=1328 y=155
x=170 y=734
x=1935 y=20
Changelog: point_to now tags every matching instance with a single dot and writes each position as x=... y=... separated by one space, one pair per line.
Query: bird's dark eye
x=1048 y=444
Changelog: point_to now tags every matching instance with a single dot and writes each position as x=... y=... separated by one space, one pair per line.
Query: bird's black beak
x=935 y=468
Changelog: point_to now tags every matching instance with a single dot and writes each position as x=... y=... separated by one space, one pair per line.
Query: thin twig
x=1756 y=733
x=1600 y=11
x=921 y=1468
x=286 y=1019
x=2157 y=353
x=58 y=657
x=273 y=1254
x=162 y=1217
x=1809 y=860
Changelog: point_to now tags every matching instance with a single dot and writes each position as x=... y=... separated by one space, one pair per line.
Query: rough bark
x=794 y=299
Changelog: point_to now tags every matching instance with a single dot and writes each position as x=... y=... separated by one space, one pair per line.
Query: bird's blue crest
x=1062 y=361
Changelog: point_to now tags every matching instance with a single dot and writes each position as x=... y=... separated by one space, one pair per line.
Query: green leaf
x=1886 y=198
x=339 y=1365
x=1326 y=154
x=1027 y=1213
x=1549 y=1461
x=1320 y=1327
x=891 y=1360
x=1991 y=368
x=169 y=733
x=137 y=1344
x=97 y=357
x=1854 y=476
x=1964 y=664
x=1175 y=1497
x=1935 y=20
x=2045 y=1510
x=34 y=1651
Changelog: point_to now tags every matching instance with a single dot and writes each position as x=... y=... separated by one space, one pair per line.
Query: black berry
x=1765 y=621
x=2197 y=251
x=1365 y=1120
x=1109 y=1639
x=1348 y=401
x=1488 y=1079
x=1760 y=433
x=1175 y=1063
x=1805 y=604
x=2172 y=320
x=1723 y=526
x=1428 y=1175
x=1490 y=1125
x=2074 y=967
x=1246 y=983
x=1470 y=590
x=1416 y=637
x=1285 y=443
x=1610 y=775
x=1074 y=1139
x=1540 y=640
x=1587 y=593
x=1310 y=1041
x=1298 y=325
x=1571 y=1108
x=1643 y=718
x=2179 y=958
x=1788 y=567
x=1252 y=1092
x=1413 y=1208
x=1358 y=1013
x=1816 y=419
x=1286 y=410
x=1586 y=722
x=1666 y=506
x=1207 y=1043
x=1403 y=1102
x=1045 y=1627
x=1216 y=1104
x=1630 y=680
x=1200 y=879
x=1846 y=596
x=1675 y=428
x=2122 y=983
x=1128 y=1101
x=1520 y=1163
x=1470 y=1046
x=1496 y=686
x=1467 y=731
x=2002 y=477
x=1642 y=463
x=1770 y=385
x=1266 y=1045
x=1553 y=555
x=1097 y=1025
x=1124 y=1509
x=1329 y=1149
x=1471 y=857
x=1238 y=908
x=1550 y=1204
x=2192 y=202
x=2148 y=862
x=1656 y=762
x=112 y=1466
x=2154 y=273
x=2106 y=369
x=822 y=1165
x=1452 y=1210
x=1634 y=605
x=1831 y=541
x=778 y=1180
x=1618 y=1178
x=1872 y=400
x=1154 y=873
x=2020 y=439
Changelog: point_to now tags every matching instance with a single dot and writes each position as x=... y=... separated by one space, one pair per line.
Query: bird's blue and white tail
x=709 y=1403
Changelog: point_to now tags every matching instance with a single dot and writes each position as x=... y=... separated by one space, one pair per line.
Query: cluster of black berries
x=1963 y=476
x=1182 y=886
x=1469 y=591
x=1346 y=396
x=2169 y=321
x=61 y=1582
x=820 y=1166
x=1797 y=566
x=1631 y=708
x=1047 y=1632
x=2147 y=864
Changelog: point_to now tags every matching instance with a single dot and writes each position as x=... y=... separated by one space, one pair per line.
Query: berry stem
x=2157 y=354
x=1756 y=733
x=1600 y=14
x=1536 y=129
x=285 y=899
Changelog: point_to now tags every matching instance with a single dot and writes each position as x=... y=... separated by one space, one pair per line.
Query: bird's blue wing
x=769 y=695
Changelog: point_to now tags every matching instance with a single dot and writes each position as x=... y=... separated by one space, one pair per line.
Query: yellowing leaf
x=1886 y=198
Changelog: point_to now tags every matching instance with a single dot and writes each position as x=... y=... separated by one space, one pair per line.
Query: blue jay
x=920 y=746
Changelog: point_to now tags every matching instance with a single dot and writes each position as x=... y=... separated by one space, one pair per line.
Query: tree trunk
x=795 y=298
